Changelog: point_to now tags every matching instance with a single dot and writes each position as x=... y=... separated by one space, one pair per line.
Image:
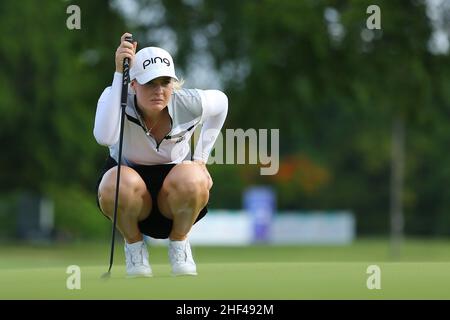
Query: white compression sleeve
x=107 y=117
x=215 y=109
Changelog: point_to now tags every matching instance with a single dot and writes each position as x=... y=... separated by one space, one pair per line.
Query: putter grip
x=126 y=64
x=126 y=75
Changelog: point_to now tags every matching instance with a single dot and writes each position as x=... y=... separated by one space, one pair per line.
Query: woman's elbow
x=103 y=139
x=223 y=98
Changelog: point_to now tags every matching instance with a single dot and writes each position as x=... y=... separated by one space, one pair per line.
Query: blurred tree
x=398 y=92
x=51 y=78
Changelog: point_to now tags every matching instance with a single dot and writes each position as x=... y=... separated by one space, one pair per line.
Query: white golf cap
x=150 y=63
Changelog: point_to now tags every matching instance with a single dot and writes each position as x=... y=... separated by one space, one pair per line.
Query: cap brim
x=149 y=76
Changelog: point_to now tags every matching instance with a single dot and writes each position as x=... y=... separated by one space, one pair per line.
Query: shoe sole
x=184 y=274
x=133 y=276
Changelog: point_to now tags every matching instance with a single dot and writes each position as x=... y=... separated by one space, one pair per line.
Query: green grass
x=257 y=272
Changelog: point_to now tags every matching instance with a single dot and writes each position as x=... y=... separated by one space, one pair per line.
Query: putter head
x=106 y=275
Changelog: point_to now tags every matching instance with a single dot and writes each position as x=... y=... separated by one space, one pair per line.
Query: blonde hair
x=177 y=84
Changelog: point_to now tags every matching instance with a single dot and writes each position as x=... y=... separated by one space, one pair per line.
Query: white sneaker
x=180 y=256
x=136 y=257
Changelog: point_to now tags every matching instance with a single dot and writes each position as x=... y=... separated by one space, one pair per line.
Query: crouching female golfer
x=164 y=189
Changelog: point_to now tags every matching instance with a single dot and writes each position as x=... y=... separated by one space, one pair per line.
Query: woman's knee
x=131 y=186
x=189 y=188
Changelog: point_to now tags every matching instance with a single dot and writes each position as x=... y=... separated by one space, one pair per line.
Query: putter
x=123 y=104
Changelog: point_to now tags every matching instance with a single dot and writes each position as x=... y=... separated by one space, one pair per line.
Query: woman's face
x=154 y=95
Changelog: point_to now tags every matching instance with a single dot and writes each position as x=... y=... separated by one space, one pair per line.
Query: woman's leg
x=185 y=191
x=134 y=205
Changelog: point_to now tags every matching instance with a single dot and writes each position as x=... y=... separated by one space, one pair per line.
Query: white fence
x=226 y=227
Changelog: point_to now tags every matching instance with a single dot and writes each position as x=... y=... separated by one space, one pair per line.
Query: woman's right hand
x=125 y=50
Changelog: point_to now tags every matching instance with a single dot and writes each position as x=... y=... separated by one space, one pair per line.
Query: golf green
x=229 y=273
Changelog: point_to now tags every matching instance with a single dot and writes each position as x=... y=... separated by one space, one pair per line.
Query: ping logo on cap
x=150 y=61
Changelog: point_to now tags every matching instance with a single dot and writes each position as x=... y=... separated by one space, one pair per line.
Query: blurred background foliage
x=309 y=68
